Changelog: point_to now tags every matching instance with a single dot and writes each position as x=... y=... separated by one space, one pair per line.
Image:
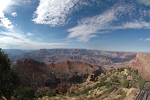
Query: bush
x=38 y=95
x=72 y=93
x=103 y=79
x=115 y=79
x=136 y=72
x=126 y=84
x=108 y=84
x=121 y=69
x=99 y=84
x=141 y=82
x=86 y=90
x=50 y=94
x=24 y=93
x=122 y=97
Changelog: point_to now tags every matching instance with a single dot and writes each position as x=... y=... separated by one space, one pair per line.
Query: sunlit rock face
x=142 y=63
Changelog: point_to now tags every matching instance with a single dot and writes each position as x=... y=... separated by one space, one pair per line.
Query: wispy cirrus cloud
x=120 y=16
x=55 y=12
x=15 y=43
x=145 y=2
x=140 y=39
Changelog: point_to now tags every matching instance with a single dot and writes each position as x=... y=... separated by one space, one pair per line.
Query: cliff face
x=36 y=74
x=32 y=75
x=142 y=63
x=97 y=57
x=74 y=71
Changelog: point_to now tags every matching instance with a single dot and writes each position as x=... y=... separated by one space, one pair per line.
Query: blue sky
x=112 y=25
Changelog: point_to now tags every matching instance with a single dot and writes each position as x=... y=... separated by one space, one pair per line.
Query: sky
x=110 y=25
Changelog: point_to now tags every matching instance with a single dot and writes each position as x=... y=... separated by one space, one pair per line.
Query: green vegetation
x=24 y=93
x=126 y=84
x=99 y=84
x=9 y=79
x=108 y=84
x=51 y=94
x=141 y=82
x=121 y=69
x=136 y=72
x=38 y=95
x=84 y=91
x=103 y=79
x=122 y=97
x=115 y=79
x=72 y=93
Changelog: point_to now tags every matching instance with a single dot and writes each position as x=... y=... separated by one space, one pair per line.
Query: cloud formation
x=55 y=12
x=120 y=16
x=14 y=43
x=148 y=39
x=30 y=34
x=145 y=2
x=14 y=14
x=4 y=21
x=141 y=39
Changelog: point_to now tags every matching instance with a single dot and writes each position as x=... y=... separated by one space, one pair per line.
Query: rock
x=37 y=74
x=91 y=77
x=142 y=63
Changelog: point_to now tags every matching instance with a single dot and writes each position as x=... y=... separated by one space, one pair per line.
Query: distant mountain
x=97 y=57
x=37 y=74
x=14 y=53
x=142 y=63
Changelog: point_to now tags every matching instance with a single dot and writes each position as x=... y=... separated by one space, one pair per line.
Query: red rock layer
x=142 y=63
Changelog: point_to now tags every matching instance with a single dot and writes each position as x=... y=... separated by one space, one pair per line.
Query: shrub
x=121 y=69
x=86 y=90
x=126 y=84
x=72 y=93
x=38 y=95
x=104 y=78
x=99 y=84
x=50 y=94
x=136 y=72
x=24 y=93
x=91 y=98
x=115 y=79
x=122 y=97
x=141 y=82
x=108 y=84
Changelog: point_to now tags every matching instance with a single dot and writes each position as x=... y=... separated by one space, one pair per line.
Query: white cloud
x=7 y=42
x=141 y=39
x=55 y=12
x=145 y=2
x=96 y=24
x=30 y=34
x=112 y=19
x=14 y=14
x=5 y=22
x=148 y=39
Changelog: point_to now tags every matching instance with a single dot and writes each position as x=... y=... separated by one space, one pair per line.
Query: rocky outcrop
x=74 y=71
x=32 y=74
x=142 y=63
x=37 y=74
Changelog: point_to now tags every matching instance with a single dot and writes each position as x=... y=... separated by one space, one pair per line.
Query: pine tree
x=9 y=79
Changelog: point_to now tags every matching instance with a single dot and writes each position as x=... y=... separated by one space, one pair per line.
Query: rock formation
x=142 y=63
x=96 y=57
x=36 y=74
